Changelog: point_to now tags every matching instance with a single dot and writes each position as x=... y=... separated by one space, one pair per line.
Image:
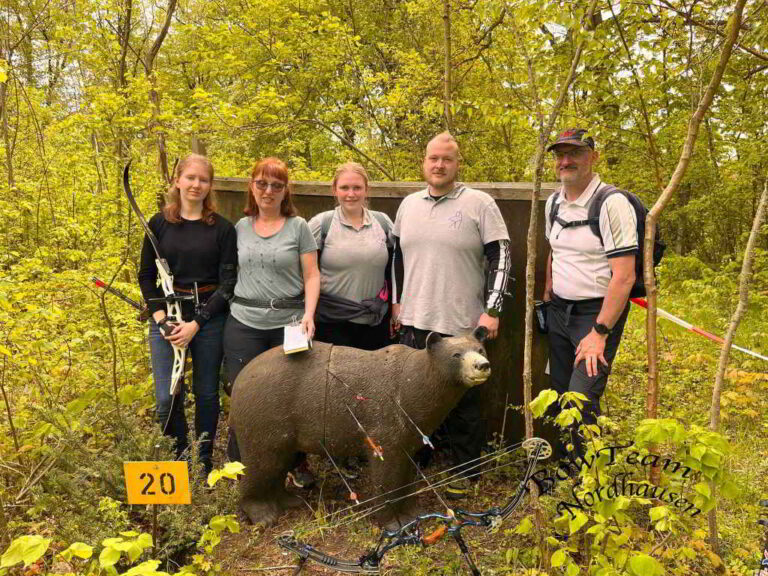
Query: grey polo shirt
x=270 y=268
x=442 y=242
x=352 y=262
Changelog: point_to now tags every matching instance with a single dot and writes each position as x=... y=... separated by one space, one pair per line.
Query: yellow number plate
x=157 y=482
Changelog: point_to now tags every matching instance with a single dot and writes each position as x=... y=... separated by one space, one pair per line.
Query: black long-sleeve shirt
x=196 y=252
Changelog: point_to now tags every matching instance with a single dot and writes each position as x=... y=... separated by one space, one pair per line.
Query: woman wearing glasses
x=278 y=281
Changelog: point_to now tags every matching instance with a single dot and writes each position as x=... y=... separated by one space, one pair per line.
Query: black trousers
x=241 y=345
x=464 y=430
x=569 y=321
x=354 y=335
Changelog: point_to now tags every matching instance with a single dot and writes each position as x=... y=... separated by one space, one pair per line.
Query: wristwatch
x=492 y=312
x=601 y=329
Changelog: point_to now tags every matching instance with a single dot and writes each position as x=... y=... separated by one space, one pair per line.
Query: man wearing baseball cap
x=589 y=276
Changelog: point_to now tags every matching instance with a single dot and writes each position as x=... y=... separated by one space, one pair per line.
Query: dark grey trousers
x=569 y=321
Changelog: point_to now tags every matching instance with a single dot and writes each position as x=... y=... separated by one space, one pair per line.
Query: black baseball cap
x=575 y=137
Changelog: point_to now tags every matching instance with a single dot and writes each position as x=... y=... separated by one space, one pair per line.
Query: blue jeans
x=207 y=351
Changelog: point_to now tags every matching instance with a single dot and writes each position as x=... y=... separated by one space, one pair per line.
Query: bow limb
x=308 y=552
x=173 y=310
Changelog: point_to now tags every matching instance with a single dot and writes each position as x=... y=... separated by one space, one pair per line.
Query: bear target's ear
x=480 y=333
x=433 y=339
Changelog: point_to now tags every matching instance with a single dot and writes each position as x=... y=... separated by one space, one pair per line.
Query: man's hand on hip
x=591 y=349
x=491 y=324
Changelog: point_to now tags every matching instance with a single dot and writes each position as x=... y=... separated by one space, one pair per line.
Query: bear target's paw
x=261 y=512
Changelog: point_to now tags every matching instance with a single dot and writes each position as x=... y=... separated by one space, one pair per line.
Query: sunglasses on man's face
x=262 y=185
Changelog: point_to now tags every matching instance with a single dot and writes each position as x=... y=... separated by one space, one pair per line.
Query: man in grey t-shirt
x=444 y=237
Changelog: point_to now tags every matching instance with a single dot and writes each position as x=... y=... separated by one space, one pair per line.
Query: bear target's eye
x=457 y=355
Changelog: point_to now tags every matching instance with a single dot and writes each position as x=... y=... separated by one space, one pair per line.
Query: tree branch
x=351 y=146
x=652 y=399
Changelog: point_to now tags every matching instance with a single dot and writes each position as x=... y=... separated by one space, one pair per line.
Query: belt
x=271 y=304
x=577 y=307
x=205 y=288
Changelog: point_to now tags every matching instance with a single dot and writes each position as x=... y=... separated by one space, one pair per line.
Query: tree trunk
x=545 y=129
x=6 y=135
x=652 y=399
x=744 y=280
x=447 y=87
x=197 y=146
x=154 y=98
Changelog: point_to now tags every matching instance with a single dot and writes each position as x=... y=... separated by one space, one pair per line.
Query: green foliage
x=25 y=550
x=121 y=551
x=230 y=470
x=317 y=83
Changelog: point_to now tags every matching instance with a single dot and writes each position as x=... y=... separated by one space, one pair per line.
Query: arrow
x=375 y=447
x=352 y=493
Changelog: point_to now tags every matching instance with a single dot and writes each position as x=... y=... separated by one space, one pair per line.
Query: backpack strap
x=327 y=220
x=593 y=214
x=382 y=218
x=554 y=208
x=325 y=226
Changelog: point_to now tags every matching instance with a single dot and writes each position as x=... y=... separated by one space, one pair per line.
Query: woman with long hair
x=355 y=257
x=201 y=249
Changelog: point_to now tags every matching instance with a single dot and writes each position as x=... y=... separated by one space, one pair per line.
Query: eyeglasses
x=262 y=185
x=573 y=154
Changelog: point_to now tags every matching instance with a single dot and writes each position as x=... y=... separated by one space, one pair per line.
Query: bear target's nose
x=482 y=365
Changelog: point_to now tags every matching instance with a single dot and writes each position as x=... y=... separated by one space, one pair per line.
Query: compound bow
x=411 y=533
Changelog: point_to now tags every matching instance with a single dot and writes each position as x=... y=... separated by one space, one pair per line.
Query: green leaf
x=79 y=549
x=525 y=526
x=109 y=557
x=703 y=489
x=134 y=551
x=26 y=549
x=658 y=512
x=567 y=417
x=558 y=558
x=644 y=565
x=148 y=568
x=578 y=520
x=540 y=404
x=572 y=569
x=230 y=470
